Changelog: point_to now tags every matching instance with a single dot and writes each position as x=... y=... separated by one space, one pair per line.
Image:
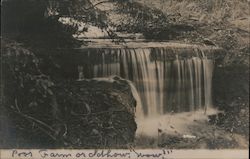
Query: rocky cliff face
x=42 y=113
x=231 y=92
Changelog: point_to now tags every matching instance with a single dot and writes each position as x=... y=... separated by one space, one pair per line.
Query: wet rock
x=108 y=121
x=231 y=95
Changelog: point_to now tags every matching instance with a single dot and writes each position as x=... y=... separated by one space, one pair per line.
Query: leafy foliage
x=27 y=93
x=27 y=88
x=37 y=22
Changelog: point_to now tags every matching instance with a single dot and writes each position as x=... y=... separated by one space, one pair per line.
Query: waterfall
x=167 y=81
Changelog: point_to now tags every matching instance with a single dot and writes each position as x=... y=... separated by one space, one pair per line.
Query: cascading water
x=165 y=84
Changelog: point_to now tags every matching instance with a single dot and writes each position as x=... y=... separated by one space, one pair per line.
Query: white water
x=172 y=124
x=164 y=84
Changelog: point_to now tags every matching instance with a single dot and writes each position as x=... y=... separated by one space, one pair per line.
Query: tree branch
x=36 y=121
x=94 y=5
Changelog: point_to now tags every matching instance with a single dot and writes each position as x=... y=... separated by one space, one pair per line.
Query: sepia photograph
x=116 y=76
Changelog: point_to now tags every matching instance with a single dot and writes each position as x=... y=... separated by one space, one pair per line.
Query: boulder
x=96 y=113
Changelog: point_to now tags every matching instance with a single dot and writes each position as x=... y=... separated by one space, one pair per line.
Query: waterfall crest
x=166 y=81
